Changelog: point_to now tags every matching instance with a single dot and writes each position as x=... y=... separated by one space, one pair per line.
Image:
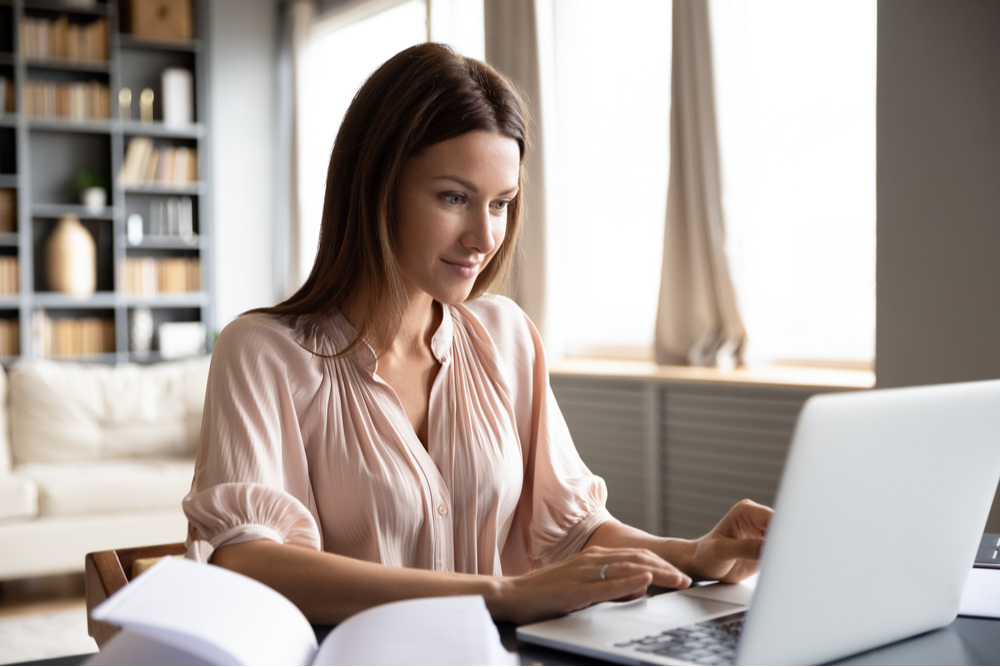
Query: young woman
x=389 y=431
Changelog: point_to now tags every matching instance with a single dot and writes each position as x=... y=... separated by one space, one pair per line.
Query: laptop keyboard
x=707 y=643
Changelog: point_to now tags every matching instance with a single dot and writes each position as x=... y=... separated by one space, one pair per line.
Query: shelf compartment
x=59 y=210
x=8 y=240
x=143 y=68
x=58 y=156
x=101 y=232
x=8 y=181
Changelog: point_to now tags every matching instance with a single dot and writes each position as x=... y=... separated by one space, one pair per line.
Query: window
x=611 y=136
x=337 y=61
x=795 y=98
x=343 y=50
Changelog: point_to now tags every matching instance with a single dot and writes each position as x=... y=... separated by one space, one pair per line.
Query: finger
x=759 y=516
x=622 y=587
x=664 y=574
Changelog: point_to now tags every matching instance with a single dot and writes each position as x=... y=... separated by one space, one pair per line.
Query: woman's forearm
x=616 y=535
x=328 y=588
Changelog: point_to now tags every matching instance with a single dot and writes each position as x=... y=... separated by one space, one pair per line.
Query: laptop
x=876 y=524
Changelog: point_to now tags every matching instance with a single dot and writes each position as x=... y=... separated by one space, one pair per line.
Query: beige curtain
x=518 y=43
x=697 y=321
x=296 y=22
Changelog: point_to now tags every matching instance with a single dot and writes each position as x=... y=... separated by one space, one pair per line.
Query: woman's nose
x=479 y=232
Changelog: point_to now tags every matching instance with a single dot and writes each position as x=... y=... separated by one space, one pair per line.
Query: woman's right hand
x=576 y=582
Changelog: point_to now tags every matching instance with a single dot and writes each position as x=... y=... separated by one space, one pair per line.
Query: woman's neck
x=420 y=320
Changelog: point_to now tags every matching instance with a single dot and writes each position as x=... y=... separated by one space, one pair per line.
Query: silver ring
x=604 y=573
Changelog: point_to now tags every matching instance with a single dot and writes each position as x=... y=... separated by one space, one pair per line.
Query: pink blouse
x=318 y=452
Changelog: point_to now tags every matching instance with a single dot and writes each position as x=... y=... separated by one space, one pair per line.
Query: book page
x=218 y=615
x=454 y=630
x=129 y=648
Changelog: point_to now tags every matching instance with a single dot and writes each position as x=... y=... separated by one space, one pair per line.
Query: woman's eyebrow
x=468 y=185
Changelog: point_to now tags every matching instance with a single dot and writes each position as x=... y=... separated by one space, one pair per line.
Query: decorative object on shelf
x=161 y=19
x=93 y=196
x=140 y=331
x=7 y=211
x=177 y=87
x=71 y=258
x=146 y=105
x=125 y=103
x=80 y=4
x=133 y=229
x=182 y=339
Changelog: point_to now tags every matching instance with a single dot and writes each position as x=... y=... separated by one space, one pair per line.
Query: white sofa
x=94 y=457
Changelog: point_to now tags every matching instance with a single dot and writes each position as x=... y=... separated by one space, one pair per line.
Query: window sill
x=769 y=376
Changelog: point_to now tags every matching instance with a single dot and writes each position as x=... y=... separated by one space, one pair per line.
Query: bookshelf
x=64 y=118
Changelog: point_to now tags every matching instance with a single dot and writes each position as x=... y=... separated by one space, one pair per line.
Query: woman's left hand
x=730 y=552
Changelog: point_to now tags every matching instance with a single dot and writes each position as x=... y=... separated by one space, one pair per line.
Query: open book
x=180 y=612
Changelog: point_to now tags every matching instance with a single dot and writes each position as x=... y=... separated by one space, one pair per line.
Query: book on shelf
x=185 y=613
x=7 y=210
x=157 y=275
x=7 y=94
x=75 y=101
x=166 y=166
x=9 y=282
x=74 y=336
x=10 y=337
x=60 y=39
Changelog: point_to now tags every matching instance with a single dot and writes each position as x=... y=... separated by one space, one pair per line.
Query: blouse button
x=442 y=509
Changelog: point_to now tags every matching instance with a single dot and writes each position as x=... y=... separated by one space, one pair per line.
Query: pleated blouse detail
x=304 y=449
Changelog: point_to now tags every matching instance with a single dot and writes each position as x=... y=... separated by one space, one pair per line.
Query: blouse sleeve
x=251 y=478
x=562 y=502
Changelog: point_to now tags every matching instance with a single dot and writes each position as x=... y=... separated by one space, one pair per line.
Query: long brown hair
x=421 y=96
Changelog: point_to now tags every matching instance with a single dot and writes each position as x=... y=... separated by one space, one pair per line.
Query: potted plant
x=90 y=186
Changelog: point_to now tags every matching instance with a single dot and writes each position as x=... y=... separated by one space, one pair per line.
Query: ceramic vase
x=71 y=258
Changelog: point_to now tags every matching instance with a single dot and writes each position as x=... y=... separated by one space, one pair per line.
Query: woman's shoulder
x=509 y=328
x=499 y=315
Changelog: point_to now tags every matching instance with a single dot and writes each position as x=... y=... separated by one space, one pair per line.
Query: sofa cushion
x=110 y=486
x=62 y=413
x=18 y=496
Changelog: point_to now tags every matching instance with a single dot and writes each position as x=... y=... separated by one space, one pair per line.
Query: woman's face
x=451 y=213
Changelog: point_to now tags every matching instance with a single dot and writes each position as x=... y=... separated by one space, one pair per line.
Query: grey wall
x=938 y=271
x=243 y=59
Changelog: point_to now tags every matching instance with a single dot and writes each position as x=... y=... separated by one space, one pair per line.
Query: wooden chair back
x=106 y=572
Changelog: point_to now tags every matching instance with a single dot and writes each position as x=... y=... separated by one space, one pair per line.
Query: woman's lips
x=465 y=270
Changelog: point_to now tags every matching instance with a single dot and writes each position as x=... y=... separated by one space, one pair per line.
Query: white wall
x=243 y=50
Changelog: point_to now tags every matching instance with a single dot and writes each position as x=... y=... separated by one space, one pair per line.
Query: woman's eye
x=501 y=205
x=454 y=200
